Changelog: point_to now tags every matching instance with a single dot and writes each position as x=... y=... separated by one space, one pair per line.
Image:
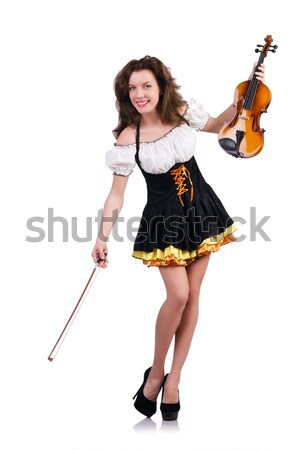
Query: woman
x=155 y=132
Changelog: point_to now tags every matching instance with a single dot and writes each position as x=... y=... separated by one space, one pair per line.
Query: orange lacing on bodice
x=179 y=178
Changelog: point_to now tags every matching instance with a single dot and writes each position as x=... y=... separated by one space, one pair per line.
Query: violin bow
x=74 y=313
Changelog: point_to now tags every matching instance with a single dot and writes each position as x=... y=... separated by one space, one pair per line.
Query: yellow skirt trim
x=176 y=256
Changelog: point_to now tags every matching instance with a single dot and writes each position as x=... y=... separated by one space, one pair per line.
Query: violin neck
x=253 y=86
x=260 y=61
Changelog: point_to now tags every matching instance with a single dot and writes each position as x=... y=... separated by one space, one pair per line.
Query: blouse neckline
x=156 y=140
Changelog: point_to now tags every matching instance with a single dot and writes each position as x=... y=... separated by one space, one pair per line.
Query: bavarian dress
x=183 y=218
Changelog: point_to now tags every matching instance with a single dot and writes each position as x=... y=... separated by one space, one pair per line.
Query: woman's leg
x=168 y=319
x=183 y=336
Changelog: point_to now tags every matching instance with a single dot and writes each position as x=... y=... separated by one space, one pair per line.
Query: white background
x=239 y=385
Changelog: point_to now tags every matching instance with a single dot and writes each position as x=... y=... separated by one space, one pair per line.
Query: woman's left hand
x=260 y=73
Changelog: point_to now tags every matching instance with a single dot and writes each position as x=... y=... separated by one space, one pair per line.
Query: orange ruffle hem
x=175 y=256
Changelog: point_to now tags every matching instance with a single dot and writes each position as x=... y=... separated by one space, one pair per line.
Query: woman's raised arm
x=215 y=124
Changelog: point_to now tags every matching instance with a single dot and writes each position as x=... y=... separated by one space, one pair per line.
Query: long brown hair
x=169 y=101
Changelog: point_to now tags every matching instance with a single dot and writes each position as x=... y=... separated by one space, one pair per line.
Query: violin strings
x=252 y=88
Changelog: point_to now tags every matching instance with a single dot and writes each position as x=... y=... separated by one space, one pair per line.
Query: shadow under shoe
x=142 y=403
x=169 y=411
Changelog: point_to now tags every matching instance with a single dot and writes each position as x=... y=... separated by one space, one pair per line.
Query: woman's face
x=143 y=91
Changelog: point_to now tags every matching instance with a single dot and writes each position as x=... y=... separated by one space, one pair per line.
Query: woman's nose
x=140 y=93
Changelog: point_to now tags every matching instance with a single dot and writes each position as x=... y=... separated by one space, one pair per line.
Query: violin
x=242 y=136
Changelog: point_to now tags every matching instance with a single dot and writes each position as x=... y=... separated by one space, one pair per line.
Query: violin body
x=242 y=136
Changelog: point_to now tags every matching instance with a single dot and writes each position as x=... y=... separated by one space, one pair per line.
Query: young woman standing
x=183 y=220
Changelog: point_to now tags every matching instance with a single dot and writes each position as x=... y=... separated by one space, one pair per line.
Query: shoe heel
x=136 y=394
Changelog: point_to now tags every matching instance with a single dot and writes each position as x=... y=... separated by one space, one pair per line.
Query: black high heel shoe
x=169 y=411
x=142 y=403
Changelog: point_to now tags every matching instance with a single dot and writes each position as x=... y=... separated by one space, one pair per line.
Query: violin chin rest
x=230 y=147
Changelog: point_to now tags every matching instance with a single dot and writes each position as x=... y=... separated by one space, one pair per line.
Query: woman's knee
x=177 y=285
x=179 y=297
x=193 y=297
x=194 y=294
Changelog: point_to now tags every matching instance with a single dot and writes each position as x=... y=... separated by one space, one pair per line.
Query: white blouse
x=177 y=145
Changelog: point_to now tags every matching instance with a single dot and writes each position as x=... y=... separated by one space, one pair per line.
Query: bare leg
x=168 y=319
x=185 y=331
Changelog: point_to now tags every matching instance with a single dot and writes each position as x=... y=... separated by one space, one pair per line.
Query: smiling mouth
x=142 y=104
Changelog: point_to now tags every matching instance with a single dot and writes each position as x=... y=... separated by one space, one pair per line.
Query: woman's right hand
x=99 y=253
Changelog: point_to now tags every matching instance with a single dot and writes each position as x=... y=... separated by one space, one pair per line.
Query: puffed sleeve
x=121 y=159
x=196 y=114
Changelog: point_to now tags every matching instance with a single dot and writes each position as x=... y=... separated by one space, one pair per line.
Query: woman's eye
x=130 y=88
x=148 y=85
